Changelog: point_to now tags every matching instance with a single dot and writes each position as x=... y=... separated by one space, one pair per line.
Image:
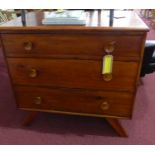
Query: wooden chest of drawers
x=59 y=69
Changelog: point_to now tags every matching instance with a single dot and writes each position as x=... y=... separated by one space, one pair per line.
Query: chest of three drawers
x=62 y=73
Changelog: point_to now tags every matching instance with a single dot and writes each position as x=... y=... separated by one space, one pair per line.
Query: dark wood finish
x=58 y=68
x=72 y=73
x=117 y=126
x=75 y=100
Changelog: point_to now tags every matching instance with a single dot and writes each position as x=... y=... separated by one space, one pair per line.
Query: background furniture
x=6 y=15
x=59 y=68
x=149 y=14
x=153 y=18
x=148 y=65
x=146 y=13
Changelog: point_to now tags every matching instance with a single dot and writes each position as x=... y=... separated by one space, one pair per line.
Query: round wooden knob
x=109 y=48
x=105 y=105
x=33 y=73
x=28 y=46
x=107 y=77
x=38 y=100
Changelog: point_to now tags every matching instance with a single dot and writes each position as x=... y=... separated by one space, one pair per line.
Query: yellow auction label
x=107 y=64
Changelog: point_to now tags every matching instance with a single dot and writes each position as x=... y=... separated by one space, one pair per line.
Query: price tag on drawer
x=107 y=64
x=107 y=67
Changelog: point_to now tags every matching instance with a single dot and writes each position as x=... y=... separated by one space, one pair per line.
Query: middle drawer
x=72 y=73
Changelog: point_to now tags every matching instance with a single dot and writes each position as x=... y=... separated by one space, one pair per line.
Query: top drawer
x=89 y=46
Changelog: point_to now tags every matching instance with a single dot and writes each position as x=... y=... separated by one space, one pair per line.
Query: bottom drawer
x=75 y=100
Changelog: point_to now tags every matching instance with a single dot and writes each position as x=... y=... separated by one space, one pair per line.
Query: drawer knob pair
x=28 y=46
x=104 y=106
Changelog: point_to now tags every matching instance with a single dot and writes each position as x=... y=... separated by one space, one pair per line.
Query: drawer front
x=73 y=100
x=77 y=46
x=72 y=73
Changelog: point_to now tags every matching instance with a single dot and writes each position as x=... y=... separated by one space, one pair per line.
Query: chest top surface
x=95 y=20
